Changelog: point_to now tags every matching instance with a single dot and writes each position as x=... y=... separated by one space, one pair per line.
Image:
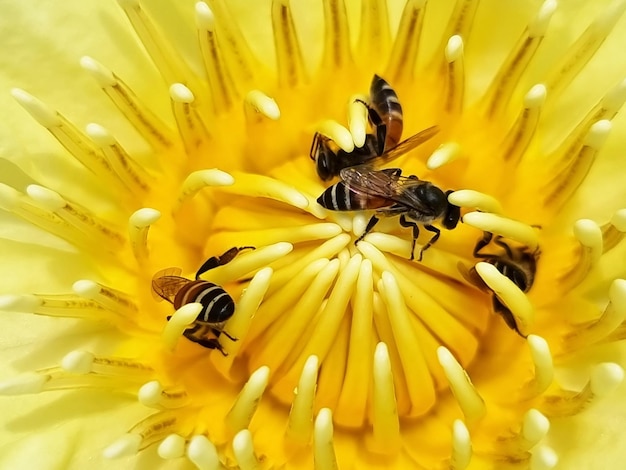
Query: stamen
x=239 y=324
x=585 y=47
x=461 y=446
x=574 y=167
x=614 y=232
x=138 y=226
x=130 y=174
x=150 y=430
x=444 y=154
x=418 y=378
x=405 y=51
x=152 y=394
x=519 y=57
x=219 y=79
x=519 y=137
x=300 y=425
x=61 y=305
x=24 y=384
x=323 y=446
x=455 y=77
x=513 y=229
x=471 y=403
x=605 y=378
x=111 y=299
x=589 y=235
x=178 y=323
x=199 y=180
x=337 y=54
x=374 y=33
x=475 y=200
x=510 y=294
x=290 y=65
x=83 y=362
x=126 y=445
x=460 y=22
x=543 y=458
x=192 y=131
x=357 y=119
x=258 y=103
x=535 y=427
x=337 y=133
x=243 y=448
x=247 y=184
x=245 y=406
x=385 y=422
x=172 y=447
x=69 y=137
x=148 y=124
x=613 y=316
x=74 y=214
x=203 y=453
x=352 y=403
x=293 y=235
x=544 y=368
x=55 y=378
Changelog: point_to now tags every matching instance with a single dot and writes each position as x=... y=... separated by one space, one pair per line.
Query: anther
x=519 y=137
x=172 y=447
x=199 y=180
x=471 y=403
x=178 y=323
x=471 y=199
x=614 y=232
x=290 y=64
x=243 y=448
x=357 y=119
x=444 y=154
x=534 y=428
x=544 y=368
x=455 y=76
x=190 y=126
x=154 y=395
x=125 y=446
x=23 y=384
x=510 y=294
x=337 y=133
x=386 y=425
x=61 y=305
x=84 y=362
x=323 y=446
x=203 y=453
x=245 y=406
x=44 y=115
x=461 y=446
x=543 y=458
x=589 y=234
x=508 y=228
x=300 y=425
x=138 y=226
x=247 y=184
x=109 y=298
x=257 y=102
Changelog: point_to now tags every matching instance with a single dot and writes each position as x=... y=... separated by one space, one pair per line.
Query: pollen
x=422 y=318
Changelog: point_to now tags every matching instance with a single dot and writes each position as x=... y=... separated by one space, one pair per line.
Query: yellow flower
x=338 y=353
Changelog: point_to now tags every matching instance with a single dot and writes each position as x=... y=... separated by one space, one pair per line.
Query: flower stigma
x=262 y=317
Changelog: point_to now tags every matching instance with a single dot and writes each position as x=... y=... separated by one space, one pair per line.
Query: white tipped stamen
x=172 y=447
x=612 y=317
x=534 y=428
x=535 y=97
x=385 y=410
x=44 y=115
x=510 y=295
x=544 y=367
x=103 y=76
x=150 y=393
x=518 y=231
x=475 y=200
x=205 y=19
x=243 y=448
x=444 y=154
x=300 y=425
x=614 y=100
x=357 y=119
x=605 y=378
x=46 y=198
x=539 y=25
x=598 y=134
x=247 y=184
x=323 y=446
x=203 y=453
x=23 y=384
x=138 y=226
x=257 y=102
x=589 y=234
x=619 y=220
x=615 y=231
x=471 y=403
x=521 y=134
x=178 y=323
x=78 y=362
x=201 y=179
x=543 y=458
x=125 y=446
x=191 y=127
x=245 y=406
x=337 y=133
x=111 y=299
x=455 y=88
x=19 y=303
x=454 y=48
x=99 y=135
x=181 y=94
x=461 y=446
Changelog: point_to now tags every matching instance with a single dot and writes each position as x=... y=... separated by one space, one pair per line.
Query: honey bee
x=518 y=264
x=416 y=201
x=217 y=305
x=385 y=116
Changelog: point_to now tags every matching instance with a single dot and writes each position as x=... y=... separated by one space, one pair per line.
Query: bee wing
x=166 y=284
x=407 y=145
x=364 y=179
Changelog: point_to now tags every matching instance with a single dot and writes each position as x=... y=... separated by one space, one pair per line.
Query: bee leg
x=498 y=241
x=218 y=332
x=436 y=232
x=370 y=225
x=416 y=232
x=506 y=315
x=483 y=242
x=224 y=258
x=209 y=343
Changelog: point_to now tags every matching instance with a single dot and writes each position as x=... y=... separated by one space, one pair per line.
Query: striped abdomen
x=217 y=305
x=339 y=197
x=385 y=102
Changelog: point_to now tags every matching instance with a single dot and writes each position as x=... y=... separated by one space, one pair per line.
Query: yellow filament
x=455 y=77
x=300 y=425
x=374 y=34
x=156 y=427
x=337 y=54
x=242 y=411
x=201 y=179
x=460 y=23
x=290 y=65
x=323 y=446
x=82 y=362
x=405 y=51
x=385 y=422
x=295 y=234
